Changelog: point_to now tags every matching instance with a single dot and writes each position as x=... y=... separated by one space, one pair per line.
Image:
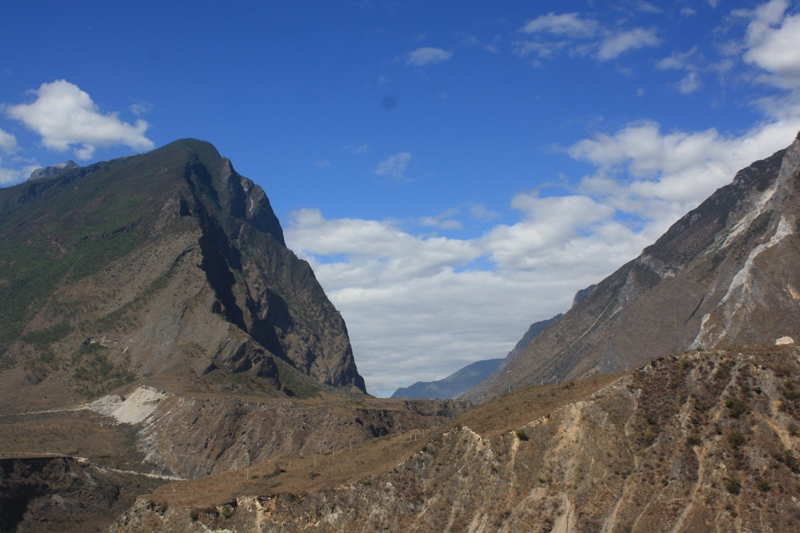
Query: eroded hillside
x=702 y=441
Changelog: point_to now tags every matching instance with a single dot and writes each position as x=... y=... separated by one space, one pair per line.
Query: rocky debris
x=702 y=441
x=134 y=409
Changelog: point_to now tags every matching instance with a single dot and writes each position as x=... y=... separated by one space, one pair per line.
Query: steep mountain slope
x=703 y=441
x=450 y=387
x=727 y=273
x=167 y=268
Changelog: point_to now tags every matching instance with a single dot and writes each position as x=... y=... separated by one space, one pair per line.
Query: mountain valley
x=167 y=364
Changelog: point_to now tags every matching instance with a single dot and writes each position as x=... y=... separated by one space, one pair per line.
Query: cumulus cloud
x=67 y=118
x=554 y=33
x=421 y=306
x=428 y=56
x=395 y=166
x=773 y=43
x=8 y=142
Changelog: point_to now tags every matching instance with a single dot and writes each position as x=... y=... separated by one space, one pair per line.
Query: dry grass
x=70 y=433
x=296 y=474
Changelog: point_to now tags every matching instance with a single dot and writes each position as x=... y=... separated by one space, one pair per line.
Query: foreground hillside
x=702 y=441
x=727 y=273
x=168 y=269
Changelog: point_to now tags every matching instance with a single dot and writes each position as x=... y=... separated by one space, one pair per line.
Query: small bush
x=521 y=435
x=735 y=440
x=226 y=512
x=763 y=485
x=733 y=486
x=649 y=438
x=737 y=407
x=693 y=440
x=193 y=514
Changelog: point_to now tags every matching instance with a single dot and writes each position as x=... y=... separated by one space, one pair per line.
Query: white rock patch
x=134 y=409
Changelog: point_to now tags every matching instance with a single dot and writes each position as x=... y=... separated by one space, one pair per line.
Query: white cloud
x=420 y=307
x=689 y=84
x=141 y=108
x=66 y=116
x=357 y=148
x=428 y=56
x=567 y=24
x=554 y=33
x=9 y=176
x=8 y=143
x=479 y=212
x=678 y=61
x=617 y=44
x=394 y=166
x=444 y=221
x=773 y=43
x=471 y=40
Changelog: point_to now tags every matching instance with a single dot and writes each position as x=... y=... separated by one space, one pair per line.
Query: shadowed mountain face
x=168 y=268
x=726 y=273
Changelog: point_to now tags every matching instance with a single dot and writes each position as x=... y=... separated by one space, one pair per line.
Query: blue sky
x=453 y=170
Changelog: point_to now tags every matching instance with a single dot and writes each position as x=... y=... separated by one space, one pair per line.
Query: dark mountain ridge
x=167 y=267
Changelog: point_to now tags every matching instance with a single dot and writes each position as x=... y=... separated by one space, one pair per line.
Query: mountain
x=727 y=273
x=453 y=385
x=702 y=441
x=471 y=375
x=167 y=269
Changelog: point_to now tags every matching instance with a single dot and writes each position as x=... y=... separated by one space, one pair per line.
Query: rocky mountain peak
x=179 y=265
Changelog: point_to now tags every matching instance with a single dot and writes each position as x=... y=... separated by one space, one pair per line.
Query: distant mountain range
x=167 y=268
x=727 y=273
x=453 y=385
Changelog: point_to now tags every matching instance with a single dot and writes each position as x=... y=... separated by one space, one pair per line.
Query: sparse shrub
x=762 y=485
x=792 y=429
x=693 y=440
x=789 y=391
x=682 y=399
x=193 y=514
x=791 y=461
x=733 y=486
x=737 y=407
x=161 y=508
x=684 y=364
x=757 y=389
x=745 y=389
x=735 y=440
x=457 y=426
x=651 y=420
x=649 y=438
x=226 y=512
x=664 y=481
x=521 y=435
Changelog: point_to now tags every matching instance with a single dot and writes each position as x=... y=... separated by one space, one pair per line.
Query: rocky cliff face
x=727 y=273
x=703 y=441
x=168 y=268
